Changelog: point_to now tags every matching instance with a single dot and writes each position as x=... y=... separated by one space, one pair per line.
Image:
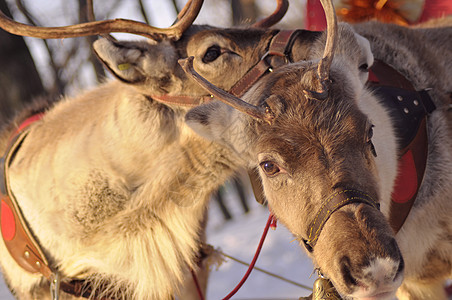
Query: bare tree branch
x=59 y=84
x=86 y=14
x=143 y=11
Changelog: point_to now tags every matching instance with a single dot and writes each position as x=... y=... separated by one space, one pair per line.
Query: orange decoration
x=355 y=11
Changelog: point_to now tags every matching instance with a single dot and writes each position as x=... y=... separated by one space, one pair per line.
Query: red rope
x=198 y=288
x=271 y=222
x=253 y=262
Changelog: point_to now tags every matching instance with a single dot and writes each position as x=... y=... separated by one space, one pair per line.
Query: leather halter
x=277 y=54
x=338 y=199
x=408 y=109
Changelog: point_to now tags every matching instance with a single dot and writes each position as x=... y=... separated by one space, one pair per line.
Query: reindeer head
x=151 y=65
x=305 y=128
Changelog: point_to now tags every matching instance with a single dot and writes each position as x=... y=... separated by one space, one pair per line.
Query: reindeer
x=327 y=145
x=112 y=184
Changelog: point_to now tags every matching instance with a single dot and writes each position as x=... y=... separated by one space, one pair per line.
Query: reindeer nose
x=380 y=271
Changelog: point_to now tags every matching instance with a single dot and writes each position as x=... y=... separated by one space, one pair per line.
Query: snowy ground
x=239 y=238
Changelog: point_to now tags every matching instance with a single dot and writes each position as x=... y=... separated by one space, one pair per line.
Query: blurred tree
x=19 y=79
x=84 y=17
x=243 y=11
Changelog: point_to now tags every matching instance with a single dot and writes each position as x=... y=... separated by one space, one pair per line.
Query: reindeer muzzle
x=334 y=202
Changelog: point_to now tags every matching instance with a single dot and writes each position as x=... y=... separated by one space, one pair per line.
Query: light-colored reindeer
x=112 y=183
x=327 y=149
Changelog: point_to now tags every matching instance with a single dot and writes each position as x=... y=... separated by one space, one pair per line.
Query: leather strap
x=412 y=164
x=384 y=75
x=337 y=200
x=276 y=56
x=408 y=109
x=16 y=234
x=18 y=238
x=182 y=100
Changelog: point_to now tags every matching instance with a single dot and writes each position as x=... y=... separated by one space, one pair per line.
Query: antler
x=191 y=11
x=323 y=69
x=275 y=17
x=257 y=112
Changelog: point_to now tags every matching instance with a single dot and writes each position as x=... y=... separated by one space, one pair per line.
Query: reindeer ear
x=134 y=62
x=220 y=123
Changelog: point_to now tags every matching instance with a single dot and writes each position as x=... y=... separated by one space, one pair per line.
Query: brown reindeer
x=327 y=147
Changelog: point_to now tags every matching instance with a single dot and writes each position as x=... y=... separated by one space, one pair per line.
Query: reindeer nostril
x=346 y=272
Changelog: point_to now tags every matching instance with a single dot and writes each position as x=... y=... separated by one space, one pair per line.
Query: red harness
x=17 y=237
x=409 y=109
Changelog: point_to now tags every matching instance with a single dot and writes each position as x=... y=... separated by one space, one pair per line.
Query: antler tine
x=331 y=39
x=281 y=9
x=323 y=69
x=104 y=27
x=257 y=112
x=183 y=11
x=186 y=17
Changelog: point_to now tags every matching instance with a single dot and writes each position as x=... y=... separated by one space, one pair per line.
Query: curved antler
x=107 y=26
x=257 y=112
x=331 y=39
x=323 y=69
x=275 y=17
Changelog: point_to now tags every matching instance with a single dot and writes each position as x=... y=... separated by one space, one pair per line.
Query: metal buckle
x=55 y=287
x=269 y=54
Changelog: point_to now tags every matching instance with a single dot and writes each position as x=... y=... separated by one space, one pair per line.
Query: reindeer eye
x=212 y=53
x=270 y=168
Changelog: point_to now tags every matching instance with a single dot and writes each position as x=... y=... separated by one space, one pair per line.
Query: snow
x=280 y=255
